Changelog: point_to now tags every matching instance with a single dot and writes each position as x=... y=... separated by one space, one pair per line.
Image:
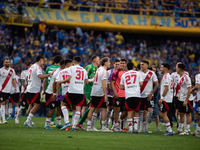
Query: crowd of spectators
x=177 y=8
x=23 y=45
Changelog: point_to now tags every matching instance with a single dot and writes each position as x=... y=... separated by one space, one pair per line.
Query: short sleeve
x=69 y=71
x=58 y=77
x=122 y=80
x=154 y=77
x=188 y=81
x=39 y=71
x=13 y=75
x=104 y=75
x=140 y=77
x=166 y=80
x=114 y=75
x=86 y=75
x=197 y=80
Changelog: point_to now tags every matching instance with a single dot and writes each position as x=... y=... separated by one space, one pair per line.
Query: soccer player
x=50 y=100
x=91 y=70
x=77 y=76
x=197 y=88
x=110 y=93
x=176 y=78
x=119 y=95
x=131 y=82
x=24 y=84
x=64 y=88
x=99 y=95
x=147 y=91
x=7 y=78
x=185 y=100
x=46 y=81
x=166 y=93
x=14 y=98
x=33 y=88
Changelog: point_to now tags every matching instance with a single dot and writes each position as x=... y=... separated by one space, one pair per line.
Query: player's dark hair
x=181 y=66
x=123 y=59
x=29 y=63
x=138 y=67
x=116 y=60
x=62 y=62
x=38 y=58
x=94 y=57
x=57 y=59
x=67 y=61
x=166 y=65
x=145 y=61
x=130 y=66
x=6 y=59
x=104 y=60
x=77 y=59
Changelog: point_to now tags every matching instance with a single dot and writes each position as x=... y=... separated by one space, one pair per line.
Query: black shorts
x=164 y=107
x=146 y=104
x=185 y=109
x=98 y=102
x=14 y=98
x=120 y=102
x=73 y=99
x=33 y=98
x=133 y=103
x=49 y=104
x=176 y=102
x=4 y=96
x=110 y=101
x=24 y=98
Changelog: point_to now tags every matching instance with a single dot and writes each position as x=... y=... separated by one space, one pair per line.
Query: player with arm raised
x=131 y=82
x=7 y=78
x=34 y=88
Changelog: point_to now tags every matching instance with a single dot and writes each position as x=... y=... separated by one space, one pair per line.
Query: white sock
x=178 y=118
x=185 y=120
x=19 y=111
x=116 y=125
x=145 y=125
x=197 y=129
x=110 y=117
x=130 y=124
x=149 y=115
x=141 y=112
x=103 y=123
x=47 y=122
x=65 y=114
x=94 y=116
x=10 y=110
x=168 y=126
x=136 y=120
x=73 y=114
x=89 y=124
x=124 y=123
x=58 y=120
x=76 y=118
x=16 y=110
x=180 y=126
x=3 y=112
x=30 y=117
x=187 y=127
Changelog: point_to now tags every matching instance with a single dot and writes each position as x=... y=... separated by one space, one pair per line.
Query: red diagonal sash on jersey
x=178 y=86
x=146 y=81
x=6 y=80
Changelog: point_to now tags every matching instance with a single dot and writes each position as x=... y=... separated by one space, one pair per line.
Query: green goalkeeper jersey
x=48 y=71
x=91 y=70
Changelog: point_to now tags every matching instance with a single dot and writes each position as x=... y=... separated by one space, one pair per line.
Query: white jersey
x=49 y=90
x=167 y=80
x=78 y=75
x=100 y=75
x=184 y=83
x=6 y=76
x=148 y=78
x=62 y=75
x=34 y=82
x=24 y=76
x=131 y=81
x=175 y=77
x=197 y=81
x=16 y=78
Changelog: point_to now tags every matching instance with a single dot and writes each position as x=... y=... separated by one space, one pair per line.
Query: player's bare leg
x=10 y=111
x=89 y=119
x=167 y=123
x=76 y=117
x=3 y=112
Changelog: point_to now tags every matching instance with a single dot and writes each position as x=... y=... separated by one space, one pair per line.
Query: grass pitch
x=19 y=137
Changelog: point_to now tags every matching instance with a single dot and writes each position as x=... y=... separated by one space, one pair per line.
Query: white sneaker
x=89 y=129
x=184 y=133
x=105 y=130
x=4 y=121
x=16 y=120
x=95 y=129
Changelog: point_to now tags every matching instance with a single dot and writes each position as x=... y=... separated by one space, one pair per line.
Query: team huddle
x=126 y=93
